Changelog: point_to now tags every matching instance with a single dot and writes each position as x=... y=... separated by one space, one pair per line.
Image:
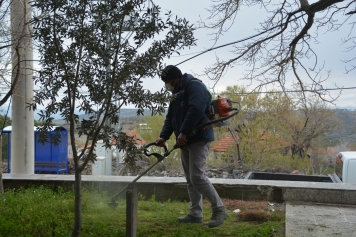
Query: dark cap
x=170 y=72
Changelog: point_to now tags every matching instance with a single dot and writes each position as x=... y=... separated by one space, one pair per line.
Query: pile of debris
x=161 y=170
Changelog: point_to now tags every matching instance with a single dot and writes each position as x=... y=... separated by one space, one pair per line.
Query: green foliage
x=41 y=123
x=308 y=123
x=84 y=47
x=89 y=63
x=25 y=209
x=285 y=164
x=256 y=126
x=274 y=127
x=44 y=212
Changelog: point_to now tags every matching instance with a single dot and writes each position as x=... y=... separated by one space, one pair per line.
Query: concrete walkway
x=320 y=219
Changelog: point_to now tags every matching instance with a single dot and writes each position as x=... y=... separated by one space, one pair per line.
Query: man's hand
x=160 y=142
x=182 y=139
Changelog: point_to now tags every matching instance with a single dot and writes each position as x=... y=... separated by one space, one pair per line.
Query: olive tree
x=283 y=49
x=88 y=64
x=308 y=119
x=257 y=126
x=274 y=125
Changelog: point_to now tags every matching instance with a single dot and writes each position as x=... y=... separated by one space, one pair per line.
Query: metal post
x=22 y=138
x=131 y=210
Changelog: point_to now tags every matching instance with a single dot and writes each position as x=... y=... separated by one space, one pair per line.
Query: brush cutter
x=159 y=157
x=220 y=107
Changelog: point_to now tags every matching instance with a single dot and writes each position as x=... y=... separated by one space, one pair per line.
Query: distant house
x=223 y=145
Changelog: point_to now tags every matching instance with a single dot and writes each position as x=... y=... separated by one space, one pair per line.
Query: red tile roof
x=136 y=135
x=224 y=144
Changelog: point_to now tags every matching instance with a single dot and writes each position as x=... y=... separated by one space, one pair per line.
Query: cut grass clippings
x=43 y=212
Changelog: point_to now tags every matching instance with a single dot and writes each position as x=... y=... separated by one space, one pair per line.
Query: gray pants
x=193 y=160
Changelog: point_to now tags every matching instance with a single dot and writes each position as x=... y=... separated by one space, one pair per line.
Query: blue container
x=49 y=158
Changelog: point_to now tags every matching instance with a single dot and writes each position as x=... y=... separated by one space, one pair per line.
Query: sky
x=330 y=51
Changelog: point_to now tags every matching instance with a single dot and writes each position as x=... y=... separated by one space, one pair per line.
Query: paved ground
x=313 y=219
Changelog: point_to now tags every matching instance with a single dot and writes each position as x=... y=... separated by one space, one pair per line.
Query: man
x=188 y=109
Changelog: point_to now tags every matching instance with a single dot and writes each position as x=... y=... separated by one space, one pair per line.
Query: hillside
x=347 y=133
x=124 y=113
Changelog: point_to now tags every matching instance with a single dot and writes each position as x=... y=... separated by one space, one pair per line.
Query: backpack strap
x=187 y=82
x=185 y=89
x=186 y=86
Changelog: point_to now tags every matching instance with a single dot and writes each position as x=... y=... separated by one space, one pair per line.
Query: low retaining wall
x=165 y=188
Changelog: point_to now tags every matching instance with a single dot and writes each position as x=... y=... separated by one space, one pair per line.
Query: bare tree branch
x=284 y=42
x=15 y=81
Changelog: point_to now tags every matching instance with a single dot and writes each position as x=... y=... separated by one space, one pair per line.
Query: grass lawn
x=43 y=212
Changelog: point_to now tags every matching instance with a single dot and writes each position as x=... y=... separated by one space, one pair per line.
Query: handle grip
x=151 y=144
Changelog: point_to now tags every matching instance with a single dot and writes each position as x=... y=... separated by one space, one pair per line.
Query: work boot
x=190 y=219
x=218 y=218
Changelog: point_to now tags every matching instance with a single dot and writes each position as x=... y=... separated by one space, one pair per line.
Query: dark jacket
x=187 y=110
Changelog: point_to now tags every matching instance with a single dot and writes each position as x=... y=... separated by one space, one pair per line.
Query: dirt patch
x=253 y=210
x=257 y=212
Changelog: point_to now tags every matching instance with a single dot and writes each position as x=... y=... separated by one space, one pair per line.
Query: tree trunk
x=78 y=203
x=1 y=185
